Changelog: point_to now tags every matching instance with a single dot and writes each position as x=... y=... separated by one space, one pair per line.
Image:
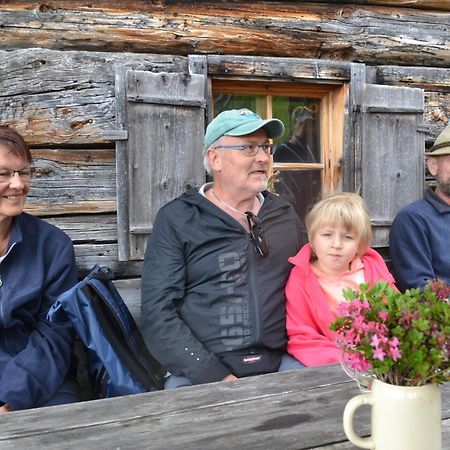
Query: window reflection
x=300 y=144
x=301 y=188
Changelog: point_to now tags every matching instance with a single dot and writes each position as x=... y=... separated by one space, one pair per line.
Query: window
x=307 y=156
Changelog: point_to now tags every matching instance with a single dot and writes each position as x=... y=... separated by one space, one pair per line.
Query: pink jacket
x=308 y=315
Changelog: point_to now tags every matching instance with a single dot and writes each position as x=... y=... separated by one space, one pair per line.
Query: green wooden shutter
x=163 y=115
x=388 y=151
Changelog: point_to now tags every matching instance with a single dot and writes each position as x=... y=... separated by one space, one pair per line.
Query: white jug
x=402 y=417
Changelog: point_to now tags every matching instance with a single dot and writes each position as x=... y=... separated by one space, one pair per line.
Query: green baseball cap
x=240 y=122
x=441 y=144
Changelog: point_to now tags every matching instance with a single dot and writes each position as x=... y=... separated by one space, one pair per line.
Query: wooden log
x=87 y=228
x=72 y=181
x=65 y=98
x=287 y=69
x=372 y=34
x=104 y=255
x=438 y=5
x=430 y=78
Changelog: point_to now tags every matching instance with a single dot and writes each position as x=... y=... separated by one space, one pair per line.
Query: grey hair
x=206 y=164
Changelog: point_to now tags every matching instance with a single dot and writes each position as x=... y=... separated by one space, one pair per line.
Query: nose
x=336 y=242
x=16 y=181
x=261 y=155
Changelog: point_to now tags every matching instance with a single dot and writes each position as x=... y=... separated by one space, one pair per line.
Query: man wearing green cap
x=420 y=235
x=213 y=305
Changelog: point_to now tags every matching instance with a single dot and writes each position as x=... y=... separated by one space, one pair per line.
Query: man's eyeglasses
x=257 y=234
x=24 y=174
x=251 y=149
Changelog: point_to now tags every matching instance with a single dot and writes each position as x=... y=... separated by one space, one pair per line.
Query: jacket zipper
x=253 y=293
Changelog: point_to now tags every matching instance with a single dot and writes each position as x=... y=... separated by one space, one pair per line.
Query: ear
x=432 y=165
x=214 y=158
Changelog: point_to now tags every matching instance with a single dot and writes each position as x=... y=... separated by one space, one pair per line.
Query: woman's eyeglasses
x=24 y=174
x=257 y=234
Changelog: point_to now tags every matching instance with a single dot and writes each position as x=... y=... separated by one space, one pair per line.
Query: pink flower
x=379 y=354
x=395 y=353
x=383 y=315
x=375 y=342
x=358 y=362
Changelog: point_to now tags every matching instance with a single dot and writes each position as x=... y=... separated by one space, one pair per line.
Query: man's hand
x=5 y=408
x=230 y=377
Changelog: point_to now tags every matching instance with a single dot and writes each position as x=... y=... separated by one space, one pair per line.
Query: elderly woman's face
x=13 y=189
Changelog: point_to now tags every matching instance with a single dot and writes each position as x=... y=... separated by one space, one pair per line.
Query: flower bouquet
x=399 y=338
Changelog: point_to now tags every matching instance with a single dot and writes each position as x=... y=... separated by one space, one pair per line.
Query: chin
x=263 y=186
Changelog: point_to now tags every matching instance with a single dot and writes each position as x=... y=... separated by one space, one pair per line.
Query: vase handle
x=349 y=411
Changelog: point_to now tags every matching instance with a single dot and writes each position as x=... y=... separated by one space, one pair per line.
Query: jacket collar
x=436 y=201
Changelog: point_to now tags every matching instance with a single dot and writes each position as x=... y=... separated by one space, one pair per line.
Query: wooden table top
x=291 y=410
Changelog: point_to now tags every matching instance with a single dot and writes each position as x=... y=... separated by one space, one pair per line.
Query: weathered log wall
x=57 y=78
x=375 y=34
x=440 y=5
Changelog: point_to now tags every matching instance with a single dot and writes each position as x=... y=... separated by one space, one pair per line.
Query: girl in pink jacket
x=337 y=256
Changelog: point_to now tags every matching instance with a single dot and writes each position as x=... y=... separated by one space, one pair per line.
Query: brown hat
x=441 y=144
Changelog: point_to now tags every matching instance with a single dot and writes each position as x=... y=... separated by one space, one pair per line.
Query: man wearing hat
x=301 y=191
x=213 y=305
x=420 y=234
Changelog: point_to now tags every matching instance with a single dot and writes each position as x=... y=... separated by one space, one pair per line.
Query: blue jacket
x=420 y=242
x=34 y=354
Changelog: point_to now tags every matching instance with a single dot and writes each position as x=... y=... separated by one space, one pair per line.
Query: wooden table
x=292 y=410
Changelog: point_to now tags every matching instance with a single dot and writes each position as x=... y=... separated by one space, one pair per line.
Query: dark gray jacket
x=210 y=304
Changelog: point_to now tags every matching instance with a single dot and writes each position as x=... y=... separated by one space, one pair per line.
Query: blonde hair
x=344 y=208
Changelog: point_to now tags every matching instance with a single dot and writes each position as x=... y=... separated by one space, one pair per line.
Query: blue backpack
x=118 y=361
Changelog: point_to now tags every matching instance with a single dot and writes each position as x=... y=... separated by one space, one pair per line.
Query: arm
x=410 y=251
x=33 y=375
x=168 y=338
x=307 y=320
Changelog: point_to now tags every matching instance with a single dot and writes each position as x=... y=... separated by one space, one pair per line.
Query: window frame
x=332 y=98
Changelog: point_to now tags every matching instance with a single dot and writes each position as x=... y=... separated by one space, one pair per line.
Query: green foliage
x=401 y=338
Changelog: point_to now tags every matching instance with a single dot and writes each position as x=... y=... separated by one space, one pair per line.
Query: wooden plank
x=323 y=31
x=431 y=78
x=55 y=98
x=87 y=228
x=72 y=181
x=391 y=153
x=289 y=69
x=104 y=255
x=164 y=148
x=260 y=405
x=292 y=410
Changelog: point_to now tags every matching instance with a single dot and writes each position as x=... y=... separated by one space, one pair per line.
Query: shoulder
x=417 y=211
x=40 y=229
x=371 y=255
x=418 y=207
x=273 y=202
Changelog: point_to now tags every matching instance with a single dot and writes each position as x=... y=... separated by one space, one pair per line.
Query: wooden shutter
x=164 y=117
x=388 y=151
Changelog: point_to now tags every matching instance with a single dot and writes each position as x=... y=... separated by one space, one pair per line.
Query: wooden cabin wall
x=57 y=69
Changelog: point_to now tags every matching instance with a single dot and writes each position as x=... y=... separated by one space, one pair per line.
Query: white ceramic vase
x=402 y=417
